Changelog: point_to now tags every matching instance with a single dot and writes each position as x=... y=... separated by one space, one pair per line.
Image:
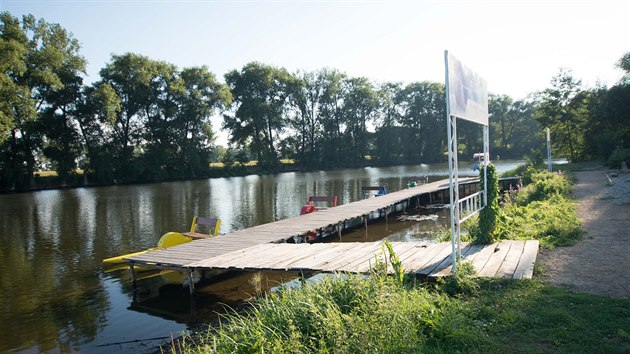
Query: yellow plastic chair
x=212 y=223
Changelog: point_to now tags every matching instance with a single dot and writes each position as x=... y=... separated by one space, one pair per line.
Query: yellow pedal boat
x=170 y=239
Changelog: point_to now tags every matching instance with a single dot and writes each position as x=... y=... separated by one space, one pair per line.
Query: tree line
x=147 y=120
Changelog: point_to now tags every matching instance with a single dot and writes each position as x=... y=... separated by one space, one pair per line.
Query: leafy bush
x=619 y=155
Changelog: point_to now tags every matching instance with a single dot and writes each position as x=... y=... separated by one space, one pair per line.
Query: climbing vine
x=489 y=216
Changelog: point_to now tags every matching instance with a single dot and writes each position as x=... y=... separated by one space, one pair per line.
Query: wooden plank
x=482 y=257
x=261 y=253
x=444 y=270
x=228 y=258
x=361 y=256
x=287 y=257
x=494 y=262
x=445 y=266
x=341 y=250
x=341 y=263
x=419 y=261
x=436 y=260
x=285 y=262
x=402 y=250
x=413 y=252
x=375 y=257
x=508 y=267
x=525 y=268
x=315 y=258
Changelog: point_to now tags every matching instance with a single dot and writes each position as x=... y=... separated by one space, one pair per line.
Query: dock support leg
x=339 y=228
x=365 y=220
x=133 y=281
x=191 y=281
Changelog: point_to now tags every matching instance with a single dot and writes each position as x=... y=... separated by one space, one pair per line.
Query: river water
x=55 y=296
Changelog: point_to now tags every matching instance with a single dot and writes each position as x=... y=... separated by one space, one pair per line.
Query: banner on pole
x=467 y=92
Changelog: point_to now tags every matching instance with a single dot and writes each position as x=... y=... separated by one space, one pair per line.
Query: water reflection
x=55 y=295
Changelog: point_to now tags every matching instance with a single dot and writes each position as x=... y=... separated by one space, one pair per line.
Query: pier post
x=133 y=281
x=339 y=228
x=191 y=281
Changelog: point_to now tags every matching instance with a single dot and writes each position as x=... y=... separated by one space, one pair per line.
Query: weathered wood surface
x=506 y=259
x=279 y=231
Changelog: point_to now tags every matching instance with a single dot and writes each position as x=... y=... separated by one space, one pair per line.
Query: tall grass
x=379 y=314
x=542 y=210
x=349 y=314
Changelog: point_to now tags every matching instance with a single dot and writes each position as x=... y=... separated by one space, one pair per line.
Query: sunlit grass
x=355 y=314
x=52 y=173
x=251 y=163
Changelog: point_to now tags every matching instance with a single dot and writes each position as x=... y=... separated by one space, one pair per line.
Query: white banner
x=467 y=92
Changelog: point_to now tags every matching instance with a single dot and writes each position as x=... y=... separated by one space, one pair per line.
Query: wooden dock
x=335 y=219
x=264 y=247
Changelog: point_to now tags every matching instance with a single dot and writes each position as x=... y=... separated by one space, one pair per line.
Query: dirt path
x=600 y=263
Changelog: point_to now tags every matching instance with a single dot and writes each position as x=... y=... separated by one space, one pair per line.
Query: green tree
x=388 y=133
x=62 y=142
x=307 y=92
x=203 y=96
x=260 y=93
x=360 y=103
x=513 y=130
x=562 y=109
x=129 y=75
x=624 y=64
x=331 y=119
x=608 y=126
x=14 y=97
x=423 y=117
x=97 y=113
x=50 y=59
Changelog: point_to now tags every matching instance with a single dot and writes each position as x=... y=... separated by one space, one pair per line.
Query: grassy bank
x=380 y=313
x=377 y=314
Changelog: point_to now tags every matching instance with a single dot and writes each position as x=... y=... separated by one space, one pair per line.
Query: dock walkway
x=264 y=247
x=183 y=256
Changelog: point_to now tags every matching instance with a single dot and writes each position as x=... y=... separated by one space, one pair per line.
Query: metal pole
x=452 y=169
x=549 y=150
x=486 y=157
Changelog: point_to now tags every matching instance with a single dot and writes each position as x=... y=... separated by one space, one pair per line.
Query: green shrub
x=619 y=155
x=543 y=185
x=488 y=216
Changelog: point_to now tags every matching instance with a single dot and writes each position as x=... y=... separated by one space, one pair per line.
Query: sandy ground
x=600 y=262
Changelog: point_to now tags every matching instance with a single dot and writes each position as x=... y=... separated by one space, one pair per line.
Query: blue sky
x=517 y=46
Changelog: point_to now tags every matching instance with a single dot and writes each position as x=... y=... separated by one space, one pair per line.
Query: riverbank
x=49 y=180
